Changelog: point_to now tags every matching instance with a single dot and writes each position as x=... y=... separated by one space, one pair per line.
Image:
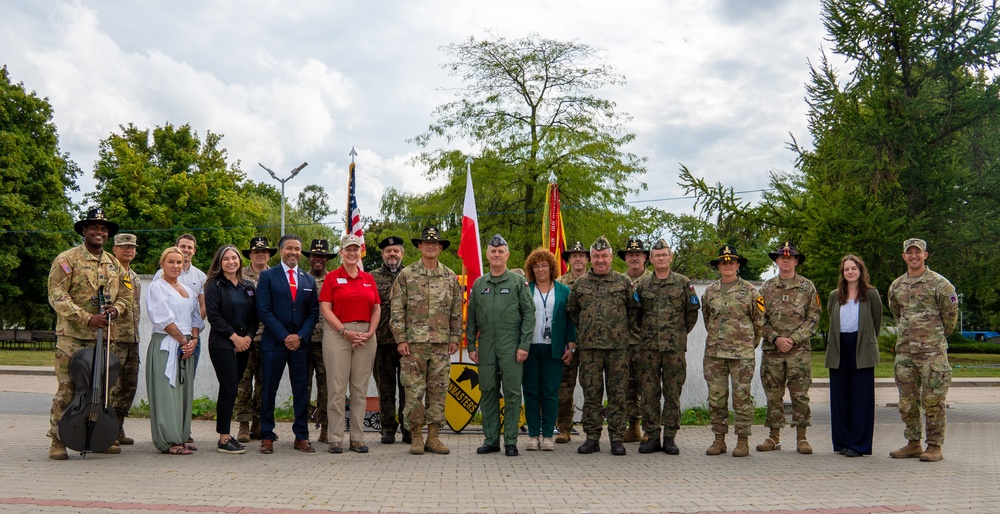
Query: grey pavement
x=390 y=480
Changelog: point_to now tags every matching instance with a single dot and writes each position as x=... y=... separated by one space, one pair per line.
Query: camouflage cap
x=96 y=215
x=601 y=243
x=660 y=244
x=259 y=243
x=319 y=248
x=576 y=248
x=390 y=241
x=919 y=243
x=634 y=244
x=787 y=249
x=126 y=240
x=497 y=240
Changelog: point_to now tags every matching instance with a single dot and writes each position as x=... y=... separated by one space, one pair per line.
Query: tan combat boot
x=933 y=453
x=417 y=440
x=122 y=438
x=718 y=446
x=114 y=449
x=912 y=449
x=564 y=435
x=433 y=444
x=633 y=434
x=802 y=446
x=244 y=434
x=57 y=451
x=773 y=441
x=742 y=447
x=322 y=434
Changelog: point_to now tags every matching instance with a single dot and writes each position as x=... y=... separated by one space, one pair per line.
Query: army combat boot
x=564 y=435
x=122 y=438
x=912 y=449
x=802 y=446
x=670 y=447
x=244 y=434
x=718 y=446
x=773 y=441
x=255 y=429
x=322 y=434
x=433 y=444
x=417 y=440
x=633 y=434
x=742 y=447
x=650 y=445
x=933 y=453
x=57 y=451
x=114 y=449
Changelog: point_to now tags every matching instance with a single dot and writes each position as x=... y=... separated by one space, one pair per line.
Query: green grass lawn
x=964 y=365
x=27 y=357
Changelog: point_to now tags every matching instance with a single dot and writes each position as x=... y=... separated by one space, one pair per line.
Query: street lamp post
x=275 y=177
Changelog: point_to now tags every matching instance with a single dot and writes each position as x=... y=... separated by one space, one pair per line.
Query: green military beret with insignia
x=728 y=253
x=390 y=241
x=576 y=248
x=787 y=249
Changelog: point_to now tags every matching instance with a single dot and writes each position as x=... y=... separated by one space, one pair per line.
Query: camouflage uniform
x=125 y=344
x=633 y=388
x=248 y=396
x=668 y=311
x=926 y=309
x=315 y=364
x=74 y=279
x=426 y=313
x=792 y=311
x=387 y=358
x=733 y=320
x=603 y=307
x=564 y=418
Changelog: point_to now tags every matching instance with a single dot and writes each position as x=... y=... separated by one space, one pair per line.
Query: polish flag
x=469 y=249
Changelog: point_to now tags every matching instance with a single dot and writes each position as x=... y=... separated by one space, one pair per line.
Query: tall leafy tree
x=314 y=203
x=36 y=221
x=530 y=109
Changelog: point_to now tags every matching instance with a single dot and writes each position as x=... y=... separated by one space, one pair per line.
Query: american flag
x=353 y=213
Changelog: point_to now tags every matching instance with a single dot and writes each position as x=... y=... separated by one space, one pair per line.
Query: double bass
x=89 y=423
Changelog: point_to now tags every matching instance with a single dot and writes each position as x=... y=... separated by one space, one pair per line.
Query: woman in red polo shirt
x=350 y=304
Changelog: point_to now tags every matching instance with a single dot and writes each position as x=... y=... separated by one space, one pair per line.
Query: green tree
x=529 y=107
x=314 y=203
x=36 y=220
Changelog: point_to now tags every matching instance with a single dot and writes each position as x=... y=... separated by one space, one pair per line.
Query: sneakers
x=231 y=446
x=548 y=444
x=359 y=447
x=533 y=444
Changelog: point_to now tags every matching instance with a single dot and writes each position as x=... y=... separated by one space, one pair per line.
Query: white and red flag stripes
x=353 y=213
x=469 y=249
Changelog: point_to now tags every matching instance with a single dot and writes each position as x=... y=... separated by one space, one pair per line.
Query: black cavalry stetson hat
x=788 y=249
x=96 y=215
x=319 y=248
x=728 y=253
x=433 y=235
x=634 y=244
x=259 y=243
x=390 y=241
x=576 y=248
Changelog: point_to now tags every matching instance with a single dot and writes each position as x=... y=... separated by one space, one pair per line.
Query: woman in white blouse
x=855 y=310
x=176 y=317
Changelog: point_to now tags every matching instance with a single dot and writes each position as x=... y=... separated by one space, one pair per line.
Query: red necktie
x=291 y=282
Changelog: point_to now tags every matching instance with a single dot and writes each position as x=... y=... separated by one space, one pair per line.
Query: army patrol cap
x=432 y=235
x=350 y=240
x=787 y=249
x=319 y=248
x=634 y=244
x=390 y=241
x=601 y=243
x=497 y=241
x=125 y=240
x=259 y=243
x=96 y=215
x=919 y=243
x=726 y=254
x=576 y=248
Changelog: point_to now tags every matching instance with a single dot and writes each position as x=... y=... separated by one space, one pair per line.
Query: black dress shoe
x=589 y=446
x=484 y=449
x=617 y=448
x=511 y=450
x=388 y=438
x=851 y=453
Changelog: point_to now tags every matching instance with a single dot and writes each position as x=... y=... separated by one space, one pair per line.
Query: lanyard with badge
x=547 y=327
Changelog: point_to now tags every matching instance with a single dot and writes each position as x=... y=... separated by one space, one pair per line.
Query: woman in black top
x=232 y=314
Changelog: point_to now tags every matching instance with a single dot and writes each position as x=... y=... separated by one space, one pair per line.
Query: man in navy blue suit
x=287 y=305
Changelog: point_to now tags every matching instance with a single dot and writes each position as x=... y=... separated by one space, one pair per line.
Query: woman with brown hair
x=855 y=309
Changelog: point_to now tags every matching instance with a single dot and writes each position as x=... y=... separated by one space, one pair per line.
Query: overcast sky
x=715 y=85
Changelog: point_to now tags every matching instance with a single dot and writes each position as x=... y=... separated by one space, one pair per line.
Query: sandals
x=177 y=449
x=190 y=446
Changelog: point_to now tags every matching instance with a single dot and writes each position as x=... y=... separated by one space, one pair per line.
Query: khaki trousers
x=347 y=366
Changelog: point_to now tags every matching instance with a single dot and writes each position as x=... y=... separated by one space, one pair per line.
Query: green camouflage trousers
x=923 y=385
x=602 y=370
x=633 y=391
x=316 y=367
x=564 y=417
x=425 y=374
x=65 y=348
x=387 y=380
x=662 y=373
x=123 y=392
x=247 y=406
x=791 y=369
x=719 y=373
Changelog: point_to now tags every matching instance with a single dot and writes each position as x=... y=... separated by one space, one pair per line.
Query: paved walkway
x=390 y=480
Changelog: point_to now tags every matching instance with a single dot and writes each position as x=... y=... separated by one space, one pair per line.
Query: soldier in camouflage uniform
x=319 y=255
x=792 y=316
x=602 y=306
x=75 y=277
x=577 y=256
x=668 y=311
x=125 y=334
x=426 y=321
x=635 y=255
x=248 y=396
x=733 y=311
x=926 y=310
x=387 y=359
